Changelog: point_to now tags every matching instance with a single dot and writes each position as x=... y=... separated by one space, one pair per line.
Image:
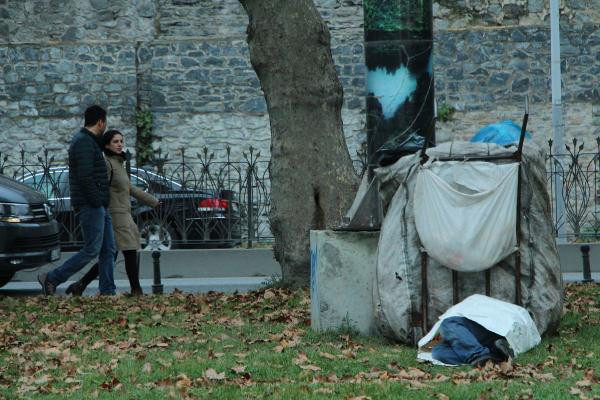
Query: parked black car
x=185 y=218
x=29 y=233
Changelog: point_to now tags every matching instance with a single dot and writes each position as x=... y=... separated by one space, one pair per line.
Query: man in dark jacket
x=89 y=186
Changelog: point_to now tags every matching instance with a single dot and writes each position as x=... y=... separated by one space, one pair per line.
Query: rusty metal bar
x=519 y=157
x=493 y=157
x=518 y=298
x=424 y=292
x=454 y=287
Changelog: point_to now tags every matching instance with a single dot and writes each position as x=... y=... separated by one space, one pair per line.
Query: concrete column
x=400 y=90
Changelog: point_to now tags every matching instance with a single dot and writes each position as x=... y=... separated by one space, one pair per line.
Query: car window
x=53 y=185
x=158 y=183
x=62 y=178
x=139 y=182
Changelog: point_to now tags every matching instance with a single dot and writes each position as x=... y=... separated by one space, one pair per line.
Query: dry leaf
x=584 y=383
x=302 y=359
x=348 y=354
x=239 y=369
x=183 y=381
x=147 y=368
x=574 y=391
x=310 y=367
x=327 y=355
x=214 y=375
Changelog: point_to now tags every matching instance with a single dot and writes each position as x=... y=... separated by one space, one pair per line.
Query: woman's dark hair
x=109 y=135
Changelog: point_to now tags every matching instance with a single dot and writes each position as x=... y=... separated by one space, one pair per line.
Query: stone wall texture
x=187 y=61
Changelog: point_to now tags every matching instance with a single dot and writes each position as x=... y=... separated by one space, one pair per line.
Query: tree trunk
x=312 y=178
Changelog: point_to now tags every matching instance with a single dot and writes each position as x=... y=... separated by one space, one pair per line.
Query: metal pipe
x=518 y=296
x=424 y=292
x=557 y=113
x=454 y=287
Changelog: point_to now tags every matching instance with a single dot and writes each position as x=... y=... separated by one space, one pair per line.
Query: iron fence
x=210 y=200
x=205 y=200
x=572 y=177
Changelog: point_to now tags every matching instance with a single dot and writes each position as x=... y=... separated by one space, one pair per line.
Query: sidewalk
x=188 y=285
x=578 y=276
x=196 y=285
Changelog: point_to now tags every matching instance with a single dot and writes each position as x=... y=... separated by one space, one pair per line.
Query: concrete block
x=342 y=276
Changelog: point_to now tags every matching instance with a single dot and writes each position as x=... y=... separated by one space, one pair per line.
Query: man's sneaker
x=482 y=360
x=503 y=348
x=48 y=287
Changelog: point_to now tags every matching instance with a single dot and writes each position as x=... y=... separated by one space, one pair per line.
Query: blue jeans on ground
x=463 y=341
x=99 y=241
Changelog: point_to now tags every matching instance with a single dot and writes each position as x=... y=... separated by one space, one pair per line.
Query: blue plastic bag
x=503 y=133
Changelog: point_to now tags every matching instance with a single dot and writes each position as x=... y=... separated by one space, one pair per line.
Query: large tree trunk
x=312 y=178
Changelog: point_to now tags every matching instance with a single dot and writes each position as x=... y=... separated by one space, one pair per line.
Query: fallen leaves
x=231 y=340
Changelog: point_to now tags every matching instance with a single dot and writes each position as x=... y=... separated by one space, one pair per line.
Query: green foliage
x=348 y=327
x=145 y=137
x=445 y=112
x=397 y=15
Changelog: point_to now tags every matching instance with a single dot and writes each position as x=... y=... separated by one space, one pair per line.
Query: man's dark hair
x=94 y=114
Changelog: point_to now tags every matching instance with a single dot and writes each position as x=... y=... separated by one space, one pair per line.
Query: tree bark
x=312 y=178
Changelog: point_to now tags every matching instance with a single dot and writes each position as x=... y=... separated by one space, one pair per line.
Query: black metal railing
x=210 y=200
x=206 y=200
x=572 y=177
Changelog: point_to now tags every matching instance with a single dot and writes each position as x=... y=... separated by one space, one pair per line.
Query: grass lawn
x=260 y=346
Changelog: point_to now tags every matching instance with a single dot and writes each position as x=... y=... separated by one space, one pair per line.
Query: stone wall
x=188 y=62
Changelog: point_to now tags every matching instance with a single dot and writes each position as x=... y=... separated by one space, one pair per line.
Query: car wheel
x=5 y=278
x=157 y=235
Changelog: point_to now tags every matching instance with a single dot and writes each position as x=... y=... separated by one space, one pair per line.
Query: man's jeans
x=463 y=341
x=99 y=241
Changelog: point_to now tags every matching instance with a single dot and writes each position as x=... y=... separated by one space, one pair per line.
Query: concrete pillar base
x=342 y=277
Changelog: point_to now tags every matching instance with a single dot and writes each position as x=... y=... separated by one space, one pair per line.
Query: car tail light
x=213 y=205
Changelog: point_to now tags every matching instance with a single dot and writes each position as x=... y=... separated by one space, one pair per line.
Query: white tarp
x=505 y=319
x=465 y=212
x=397 y=293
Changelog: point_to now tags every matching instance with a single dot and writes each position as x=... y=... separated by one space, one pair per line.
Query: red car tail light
x=213 y=205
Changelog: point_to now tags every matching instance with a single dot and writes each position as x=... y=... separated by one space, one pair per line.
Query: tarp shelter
x=426 y=264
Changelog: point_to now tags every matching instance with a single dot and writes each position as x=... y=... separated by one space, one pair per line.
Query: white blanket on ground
x=505 y=319
x=465 y=212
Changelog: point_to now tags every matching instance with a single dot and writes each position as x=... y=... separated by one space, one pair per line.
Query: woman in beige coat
x=126 y=231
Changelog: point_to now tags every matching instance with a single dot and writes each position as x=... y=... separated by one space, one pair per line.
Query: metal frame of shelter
x=515 y=156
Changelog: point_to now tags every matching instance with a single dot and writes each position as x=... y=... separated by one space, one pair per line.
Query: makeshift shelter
x=483 y=226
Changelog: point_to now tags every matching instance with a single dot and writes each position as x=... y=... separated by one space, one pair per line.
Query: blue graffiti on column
x=391 y=89
x=314 y=251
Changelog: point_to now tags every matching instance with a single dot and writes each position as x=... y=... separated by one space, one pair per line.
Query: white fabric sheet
x=505 y=319
x=465 y=212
